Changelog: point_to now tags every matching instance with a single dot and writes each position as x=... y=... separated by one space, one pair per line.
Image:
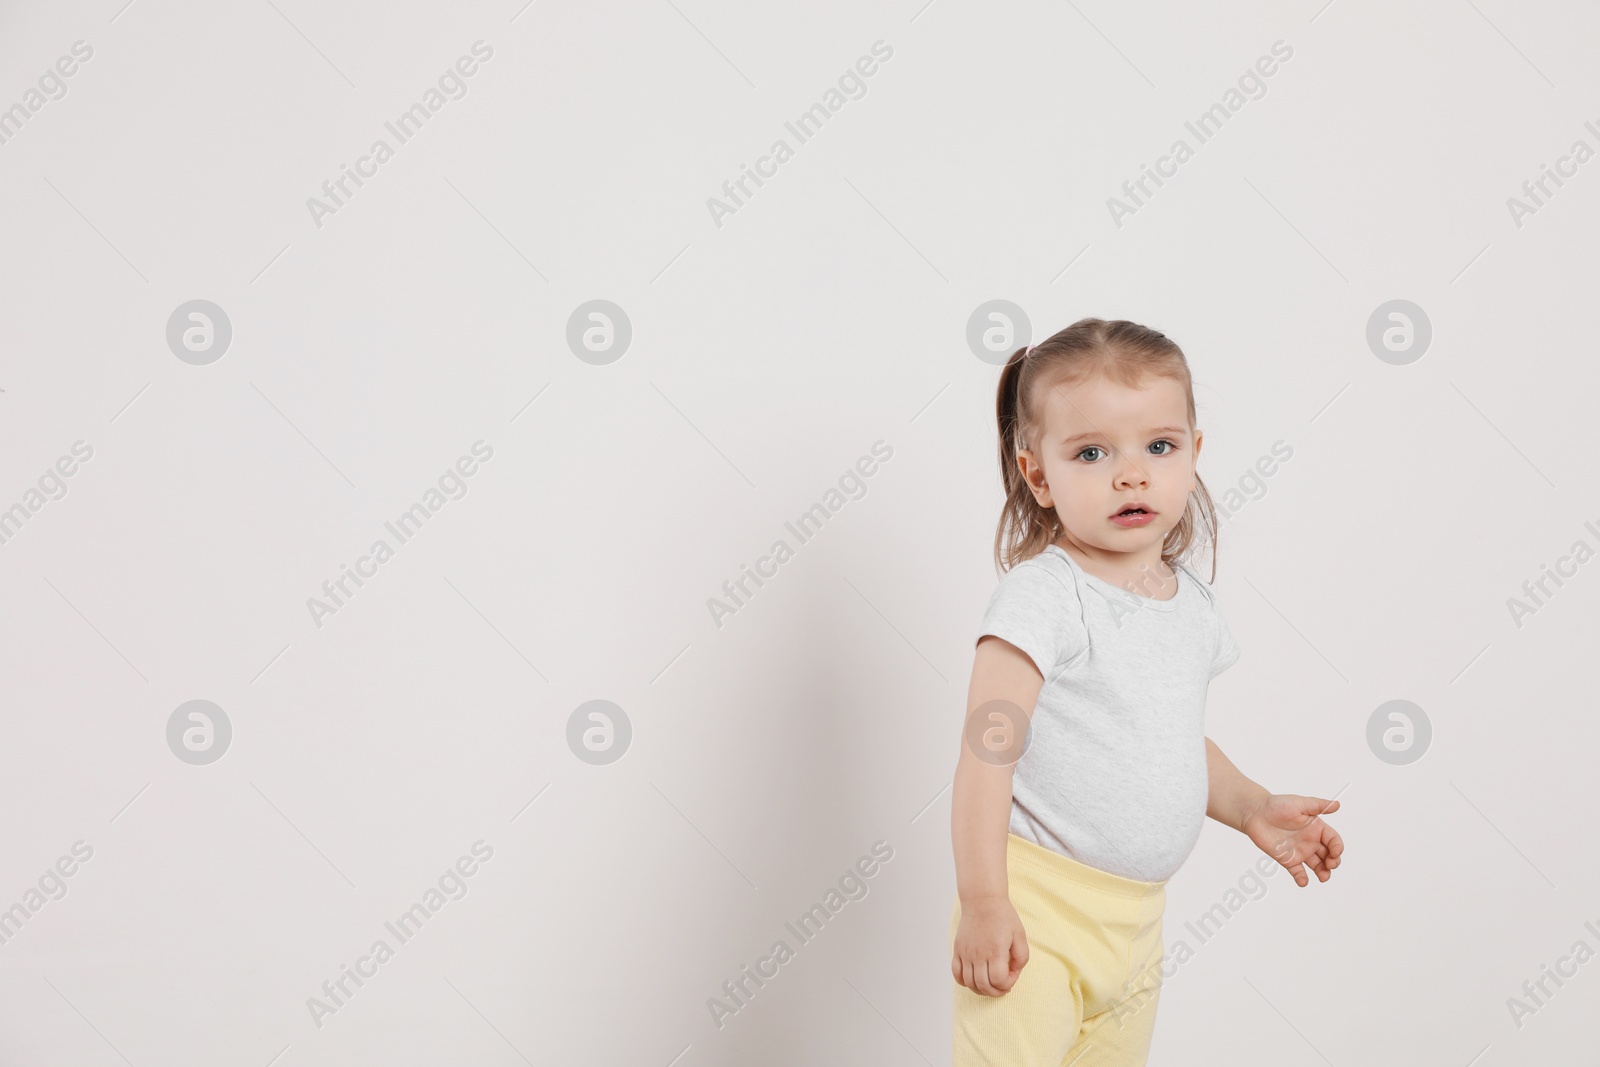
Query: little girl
x=1085 y=774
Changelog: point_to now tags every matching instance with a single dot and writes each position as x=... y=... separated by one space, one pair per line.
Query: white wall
x=372 y=347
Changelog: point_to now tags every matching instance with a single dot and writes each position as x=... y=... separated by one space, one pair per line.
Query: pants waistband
x=1051 y=862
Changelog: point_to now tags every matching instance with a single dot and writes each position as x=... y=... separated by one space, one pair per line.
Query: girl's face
x=1106 y=447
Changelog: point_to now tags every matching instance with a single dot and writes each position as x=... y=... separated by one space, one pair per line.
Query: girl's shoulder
x=1048 y=569
x=1042 y=583
x=1036 y=607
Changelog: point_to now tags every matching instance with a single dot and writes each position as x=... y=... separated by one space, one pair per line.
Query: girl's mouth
x=1133 y=516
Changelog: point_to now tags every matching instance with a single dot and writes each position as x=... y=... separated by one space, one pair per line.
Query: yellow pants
x=1087 y=996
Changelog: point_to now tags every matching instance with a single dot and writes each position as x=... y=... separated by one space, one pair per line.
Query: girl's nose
x=1129 y=475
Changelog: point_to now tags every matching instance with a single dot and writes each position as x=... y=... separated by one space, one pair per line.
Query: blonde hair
x=1124 y=352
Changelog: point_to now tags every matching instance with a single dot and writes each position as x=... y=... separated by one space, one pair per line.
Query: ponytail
x=1026 y=526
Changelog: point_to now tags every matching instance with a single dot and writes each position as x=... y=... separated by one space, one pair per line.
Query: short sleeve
x=1227 y=651
x=1038 y=611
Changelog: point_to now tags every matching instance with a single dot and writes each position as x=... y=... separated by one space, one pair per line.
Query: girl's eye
x=1096 y=448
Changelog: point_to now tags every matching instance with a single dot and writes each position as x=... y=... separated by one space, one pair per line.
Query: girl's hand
x=1287 y=828
x=991 y=947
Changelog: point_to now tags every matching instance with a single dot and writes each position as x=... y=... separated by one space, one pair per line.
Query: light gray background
x=768 y=355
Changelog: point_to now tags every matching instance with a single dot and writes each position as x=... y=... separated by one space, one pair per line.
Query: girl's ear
x=1199 y=438
x=1033 y=475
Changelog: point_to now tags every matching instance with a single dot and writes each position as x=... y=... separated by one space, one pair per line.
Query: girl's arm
x=980 y=804
x=1233 y=796
x=1286 y=826
x=991 y=946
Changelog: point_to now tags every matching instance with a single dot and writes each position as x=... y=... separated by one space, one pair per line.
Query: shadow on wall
x=807 y=756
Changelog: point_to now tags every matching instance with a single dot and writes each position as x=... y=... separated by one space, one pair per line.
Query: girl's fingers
x=1327 y=860
x=998 y=968
x=992 y=977
x=1314 y=806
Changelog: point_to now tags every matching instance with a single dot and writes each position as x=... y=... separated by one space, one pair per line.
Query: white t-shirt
x=1114 y=770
